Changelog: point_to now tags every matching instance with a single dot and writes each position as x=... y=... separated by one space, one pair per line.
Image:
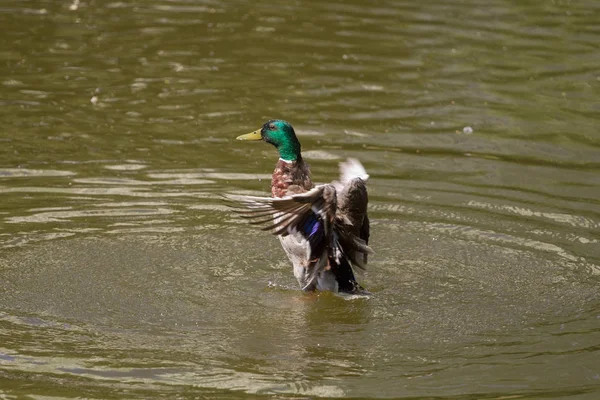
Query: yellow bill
x=251 y=136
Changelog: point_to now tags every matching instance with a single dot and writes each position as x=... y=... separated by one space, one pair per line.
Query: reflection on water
x=123 y=274
x=23 y=172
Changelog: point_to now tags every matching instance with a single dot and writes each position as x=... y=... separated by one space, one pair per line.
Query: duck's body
x=324 y=230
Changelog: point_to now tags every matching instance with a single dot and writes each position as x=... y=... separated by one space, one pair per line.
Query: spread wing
x=352 y=204
x=314 y=215
x=284 y=215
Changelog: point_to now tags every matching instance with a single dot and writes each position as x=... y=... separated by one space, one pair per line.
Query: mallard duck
x=324 y=229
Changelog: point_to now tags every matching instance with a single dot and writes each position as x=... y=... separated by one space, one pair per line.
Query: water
x=122 y=274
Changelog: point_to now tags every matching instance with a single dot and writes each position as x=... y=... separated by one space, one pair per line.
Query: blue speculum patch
x=311 y=226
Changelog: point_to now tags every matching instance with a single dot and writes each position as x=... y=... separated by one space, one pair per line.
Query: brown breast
x=290 y=178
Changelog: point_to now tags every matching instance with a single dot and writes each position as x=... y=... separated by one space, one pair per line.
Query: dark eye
x=272 y=127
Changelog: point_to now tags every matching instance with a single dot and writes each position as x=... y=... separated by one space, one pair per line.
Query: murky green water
x=122 y=275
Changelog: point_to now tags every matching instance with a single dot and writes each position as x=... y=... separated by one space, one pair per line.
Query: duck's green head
x=281 y=135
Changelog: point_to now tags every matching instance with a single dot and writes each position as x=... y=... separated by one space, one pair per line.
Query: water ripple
x=24 y=172
x=118 y=140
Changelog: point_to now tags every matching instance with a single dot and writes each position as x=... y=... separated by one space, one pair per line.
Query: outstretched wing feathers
x=286 y=214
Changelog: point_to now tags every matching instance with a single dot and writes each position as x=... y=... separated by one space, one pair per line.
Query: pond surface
x=123 y=275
